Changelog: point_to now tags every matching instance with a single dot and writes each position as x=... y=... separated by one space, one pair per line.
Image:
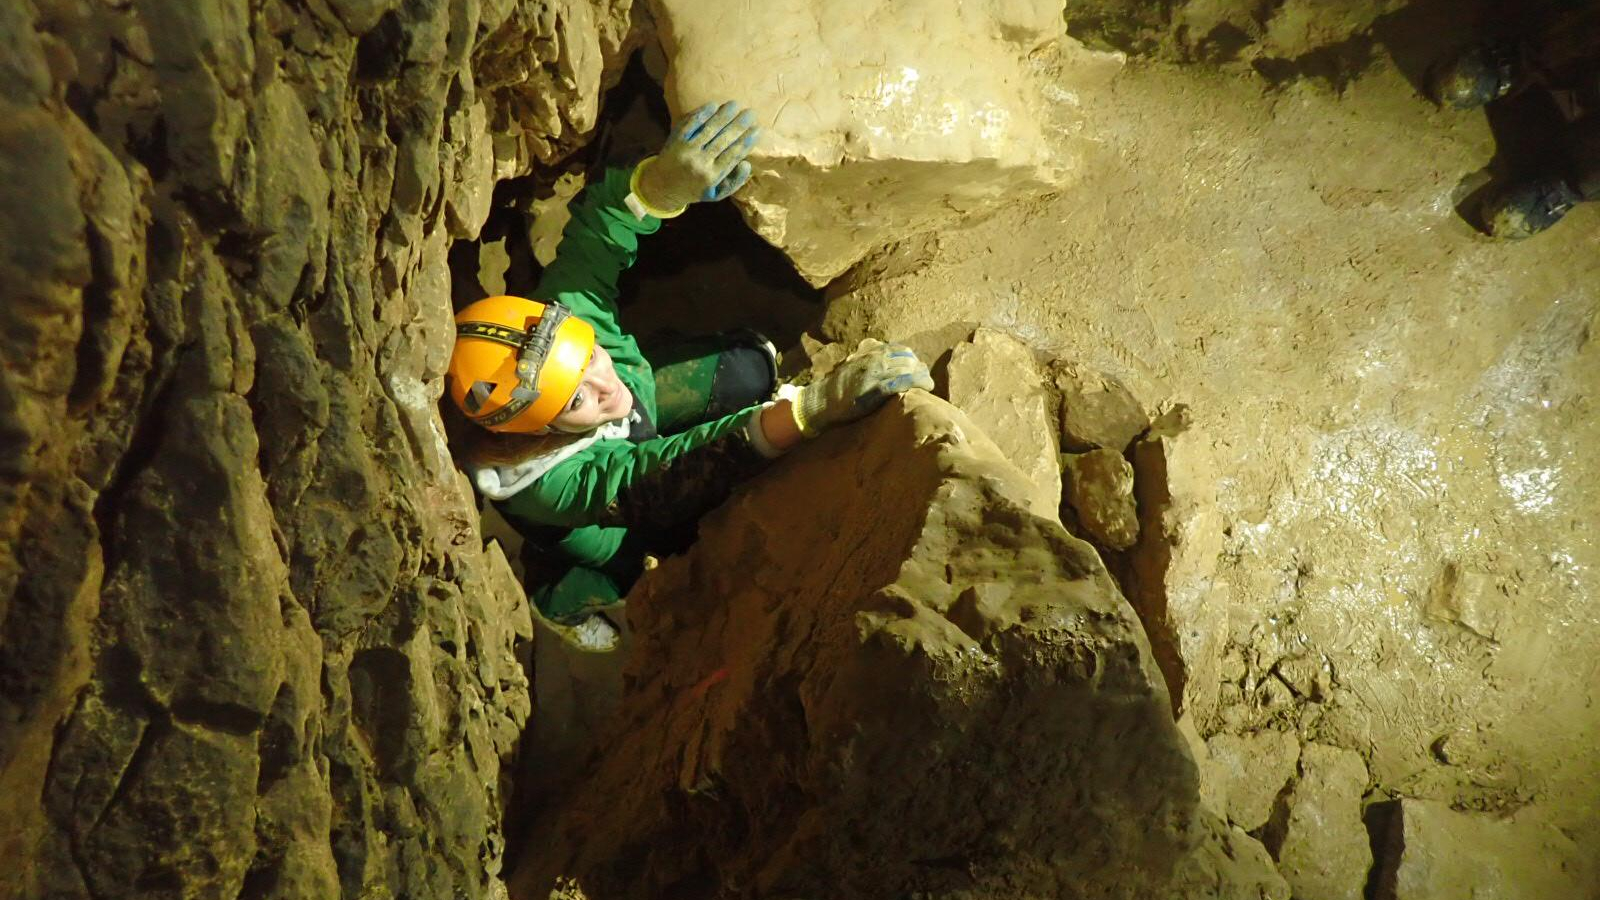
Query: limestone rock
x=1433 y=851
x=1100 y=491
x=1097 y=411
x=914 y=669
x=993 y=379
x=1466 y=598
x=251 y=640
x=1173 y=581
x=881 y=119
x=1250 y=771
x=1322 y=846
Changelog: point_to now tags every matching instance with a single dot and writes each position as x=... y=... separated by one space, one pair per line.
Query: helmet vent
x=479 y=395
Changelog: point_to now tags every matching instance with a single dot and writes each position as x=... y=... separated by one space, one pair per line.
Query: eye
x=577 y=401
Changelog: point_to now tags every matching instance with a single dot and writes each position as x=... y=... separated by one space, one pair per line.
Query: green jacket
x=614 y=483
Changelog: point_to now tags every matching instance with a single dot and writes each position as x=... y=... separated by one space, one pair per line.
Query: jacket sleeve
x=658 y=483
x=598 y=244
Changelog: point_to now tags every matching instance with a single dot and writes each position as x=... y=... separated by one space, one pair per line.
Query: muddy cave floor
x=1397 y=410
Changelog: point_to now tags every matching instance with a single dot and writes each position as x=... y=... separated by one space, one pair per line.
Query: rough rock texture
x=993 y=379
x=1322 y=38
x=1320 y=842
x=1172 y=573
x=1097 y=411
x=250 y=641
x=882 y=119
x=1249 y=771
x=914 y=687
x=1100 y=492
x=1433 y=852
x=1387 y=394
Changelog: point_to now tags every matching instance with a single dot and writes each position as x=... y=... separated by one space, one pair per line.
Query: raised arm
x=703 y=160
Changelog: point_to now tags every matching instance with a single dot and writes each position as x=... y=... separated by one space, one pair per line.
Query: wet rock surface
x=251 y=643
x=913 y=688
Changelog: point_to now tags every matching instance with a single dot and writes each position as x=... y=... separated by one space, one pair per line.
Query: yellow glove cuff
x=633 y=187
x=796 y=408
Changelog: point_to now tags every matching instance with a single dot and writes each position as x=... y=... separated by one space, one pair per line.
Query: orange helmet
x=517 y=362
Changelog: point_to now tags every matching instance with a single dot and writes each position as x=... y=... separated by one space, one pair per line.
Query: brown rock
x=1100 y=491
x=994 y=380
x=1173 y=580
x=1433 y=851
x=920 y=117
x=251 y=640
x=1322 y=846
x=1250 y=771
x=1097 y=411
x=918 y=668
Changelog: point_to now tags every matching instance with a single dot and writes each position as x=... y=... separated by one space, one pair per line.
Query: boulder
x=1321 y=844
x=1097 y=411
x=881 y=119
x=993 y=379
x=911 y=687
x=1100 y=491
x=1249 y=772
x=1432 y=851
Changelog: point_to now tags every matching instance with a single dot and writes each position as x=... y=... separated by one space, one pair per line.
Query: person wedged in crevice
x=599 y=454
x=1557 y=54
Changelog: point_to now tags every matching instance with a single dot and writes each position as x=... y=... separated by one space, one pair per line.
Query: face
x=601 y=397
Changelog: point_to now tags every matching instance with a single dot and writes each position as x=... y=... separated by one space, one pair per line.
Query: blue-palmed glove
x=861 y=384
x=703 y=160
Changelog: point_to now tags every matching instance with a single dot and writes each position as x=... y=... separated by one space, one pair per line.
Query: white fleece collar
x=497 y=482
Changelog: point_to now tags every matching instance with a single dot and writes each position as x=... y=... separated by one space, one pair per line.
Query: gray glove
x=704 y=158
x=861 y=384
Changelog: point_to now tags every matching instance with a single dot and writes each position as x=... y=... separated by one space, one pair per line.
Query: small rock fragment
x=1322 y=846
x=1466 y=598
x=1100 y=491
x=1250 y=770
x=1096 y=411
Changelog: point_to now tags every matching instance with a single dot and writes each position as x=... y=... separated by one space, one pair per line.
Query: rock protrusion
x=1432 y=851
x=1097 y=411
x=1320 y=841
x=1172 y=577
x=994 y=380
x=1100 y=492
x=913 y=687
x=1250 y=771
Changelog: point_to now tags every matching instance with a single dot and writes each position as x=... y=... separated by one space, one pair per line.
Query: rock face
x=993 y=379
x=1433 y=851
x=914 y=687
x=882 y=119
x=250 y=641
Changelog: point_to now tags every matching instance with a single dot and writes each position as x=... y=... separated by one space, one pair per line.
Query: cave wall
x=250 y=641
